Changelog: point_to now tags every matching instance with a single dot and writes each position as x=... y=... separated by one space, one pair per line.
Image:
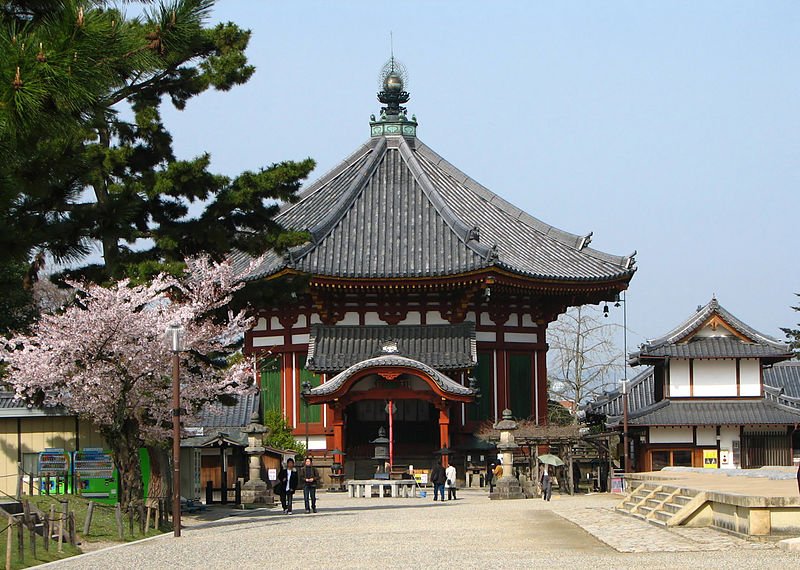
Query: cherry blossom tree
x=104 y=358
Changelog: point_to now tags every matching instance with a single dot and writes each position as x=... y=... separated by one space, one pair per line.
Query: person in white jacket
x=450 y=484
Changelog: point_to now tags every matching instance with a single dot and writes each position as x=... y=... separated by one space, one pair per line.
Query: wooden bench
x=400 y=488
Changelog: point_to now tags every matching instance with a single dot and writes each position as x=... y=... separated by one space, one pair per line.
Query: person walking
x=547 y=485
x=450 y=482
x=311 y=479
x=287 y=485
x=438 y=479
x=490 y=477
x=497 y=472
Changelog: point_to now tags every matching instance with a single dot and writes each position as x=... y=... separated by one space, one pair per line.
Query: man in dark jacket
x=286 y=486
x=438 y=479
x=311 y=479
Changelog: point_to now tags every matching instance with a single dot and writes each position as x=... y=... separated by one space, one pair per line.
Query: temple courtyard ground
x=472 y=532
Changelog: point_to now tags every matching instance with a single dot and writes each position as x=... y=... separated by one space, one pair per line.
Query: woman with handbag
x=450 y=482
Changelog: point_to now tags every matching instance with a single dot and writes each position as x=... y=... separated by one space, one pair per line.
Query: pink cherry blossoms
x=104 y=357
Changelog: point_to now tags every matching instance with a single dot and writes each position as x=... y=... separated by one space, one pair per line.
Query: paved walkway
x=472 y=532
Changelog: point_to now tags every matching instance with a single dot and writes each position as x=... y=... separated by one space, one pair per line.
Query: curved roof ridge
x=324 y=226
x=573 y=240
x=331 y=174
x=695 y=321
x=460 y=228
x=444 y=382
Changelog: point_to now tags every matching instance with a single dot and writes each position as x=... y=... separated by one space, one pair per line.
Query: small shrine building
x=713 y=393
x=421 y=299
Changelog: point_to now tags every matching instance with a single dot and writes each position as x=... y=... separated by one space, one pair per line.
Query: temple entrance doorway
x=415 y=431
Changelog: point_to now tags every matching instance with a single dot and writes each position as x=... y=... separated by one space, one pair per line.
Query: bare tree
x=583 y=357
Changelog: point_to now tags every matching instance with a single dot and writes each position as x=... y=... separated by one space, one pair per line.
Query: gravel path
x=472 y=532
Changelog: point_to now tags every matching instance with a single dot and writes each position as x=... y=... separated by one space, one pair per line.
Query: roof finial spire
x=393 y=82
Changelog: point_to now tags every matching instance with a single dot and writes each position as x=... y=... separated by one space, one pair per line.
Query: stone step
x=662 y=516
x=644 y=510
x=682 y=499
x=672 y=507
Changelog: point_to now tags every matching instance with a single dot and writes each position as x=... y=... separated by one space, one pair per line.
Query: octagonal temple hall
x=421 y=301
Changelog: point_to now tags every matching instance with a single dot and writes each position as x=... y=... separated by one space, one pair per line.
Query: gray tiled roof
x=218 y=415
x=781 y=393
x=11 y=407
x=673 y=343
x=715 y=412
x=395 y=208
x=387 y=361
x=640 y=395
x=444 y=347
x=784 y=376
x=717 y=347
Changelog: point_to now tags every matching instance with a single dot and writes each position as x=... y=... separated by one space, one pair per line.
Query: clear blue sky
x=671 y=128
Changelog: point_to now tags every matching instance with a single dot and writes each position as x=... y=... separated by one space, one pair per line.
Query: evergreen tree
x=793 y=335
x=89 y=159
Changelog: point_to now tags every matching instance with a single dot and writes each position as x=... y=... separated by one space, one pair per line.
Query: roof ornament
x=631 y=260
x=390 y=347
x=474 y=234
x=585 y=241
x=393 y=80
x=494 y=254
x=393 y=119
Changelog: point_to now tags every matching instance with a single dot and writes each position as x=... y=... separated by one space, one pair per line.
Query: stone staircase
x=661 y=504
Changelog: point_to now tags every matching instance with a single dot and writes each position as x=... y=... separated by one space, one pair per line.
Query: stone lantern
x=381 y=453
x=255 y=490
x=507 y=486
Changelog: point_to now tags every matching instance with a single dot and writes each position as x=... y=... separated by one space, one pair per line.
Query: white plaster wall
x=315 y=320
x=412 y=318
x=300 y=338
x=726 y=436
x=527 y=321
x=315 y=442
x=513 y=320
x=274 y=323
x=714 y=378
x=485 y=336
x=485 y=320
x=302 y=321
x=708 y=332
x=261 y=324
x=470 y=316
x=267 y=341
x=750 y=377
x=434 y=318
x=679 y=378
x=671 y=435
x=372 y=318
x=520 y=337
x=706 y=435
x=350 y=318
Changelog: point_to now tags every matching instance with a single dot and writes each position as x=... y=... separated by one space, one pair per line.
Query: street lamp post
x=625 y=442
x=305 y=388
x=174 y=337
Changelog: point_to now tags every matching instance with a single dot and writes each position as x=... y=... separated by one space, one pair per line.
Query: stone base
x=256 y=492
x=790 y=544
x=507 y=488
